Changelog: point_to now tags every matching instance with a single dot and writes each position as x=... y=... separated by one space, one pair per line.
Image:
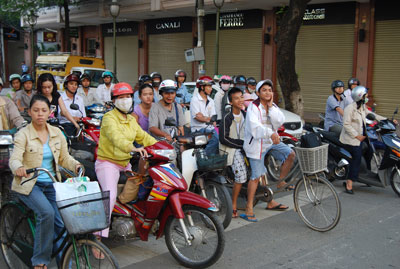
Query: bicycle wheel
x=85 y=256
x=207 y=238
x=219 y=195
x=317 y=202
x=16 y=237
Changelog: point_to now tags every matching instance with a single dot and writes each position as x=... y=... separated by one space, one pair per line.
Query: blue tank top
x=47 y=163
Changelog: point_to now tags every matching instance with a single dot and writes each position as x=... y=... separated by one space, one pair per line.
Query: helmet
x=143 y=79
x=155 y=75
x=180 y=73
x=336 y=84
x=225 y=79
x=107 y=74
x=353 y=81
x=251 y=81
x=239 y=79
x=204 y=81
x=358 y=92
x=120 y=89
x=168 y=85
x=71 y=77
x=14 y=76
x=26 y=78
x=85 y=76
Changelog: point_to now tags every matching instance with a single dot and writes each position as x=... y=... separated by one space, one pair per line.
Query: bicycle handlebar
x=40 y=169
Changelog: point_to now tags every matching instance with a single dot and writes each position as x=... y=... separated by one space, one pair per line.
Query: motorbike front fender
x=176 y=201
x=189 y=166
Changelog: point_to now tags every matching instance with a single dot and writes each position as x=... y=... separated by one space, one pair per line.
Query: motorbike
x=385 y=147
x=193 y=233
x=6 y=146
x=203 y=174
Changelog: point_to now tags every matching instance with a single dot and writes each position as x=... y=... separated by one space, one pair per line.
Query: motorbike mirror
x=170 y=122
x=214 y=118
x=371 y=116
x=179 y=95
x=74 y=107
x=396 y=111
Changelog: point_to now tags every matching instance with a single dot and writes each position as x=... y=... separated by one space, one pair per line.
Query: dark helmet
x=26 y=78
x=240 y=79
x=71 y=77
x=251 y=81
x=143 y=79
x=180 y=73
x=85 y=76
x=353 y=81
x=155 y=75
x=336 y=84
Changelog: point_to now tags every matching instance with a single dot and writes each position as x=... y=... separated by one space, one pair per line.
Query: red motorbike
x=193 y=233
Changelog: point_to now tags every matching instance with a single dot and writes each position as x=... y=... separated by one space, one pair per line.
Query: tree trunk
x=286 y=55
x=67 y=38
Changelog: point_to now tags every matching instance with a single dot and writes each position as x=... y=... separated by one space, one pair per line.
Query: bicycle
x=17 y=232
x=315 y=198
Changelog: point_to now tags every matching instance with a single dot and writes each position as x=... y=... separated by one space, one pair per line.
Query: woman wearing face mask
x=119 y=130
x=250 y=93
x=354 y=133
x=221 y=97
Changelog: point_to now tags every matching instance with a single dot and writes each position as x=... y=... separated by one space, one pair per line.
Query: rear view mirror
x=179 y=95
x=170 y=122
x=214 y=118
x=371 y=116
x=74 y=107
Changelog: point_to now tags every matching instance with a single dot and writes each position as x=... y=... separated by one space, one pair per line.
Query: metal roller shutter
x=127 y=57
x=239 y=52
x=324 y=53
x=167 y=54
x=386 y=67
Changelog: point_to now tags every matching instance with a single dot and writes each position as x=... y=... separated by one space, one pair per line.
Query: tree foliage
x=289 y=26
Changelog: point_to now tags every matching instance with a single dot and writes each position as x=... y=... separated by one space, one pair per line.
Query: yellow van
x=60 y=65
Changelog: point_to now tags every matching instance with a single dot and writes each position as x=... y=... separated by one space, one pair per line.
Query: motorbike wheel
x=207 y=238
x=395 y=181
x=219 y=195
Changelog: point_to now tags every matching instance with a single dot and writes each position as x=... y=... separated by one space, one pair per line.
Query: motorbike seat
x=332 y=137
x=91 y=172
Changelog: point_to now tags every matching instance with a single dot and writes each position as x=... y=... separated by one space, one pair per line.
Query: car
x=293 y=123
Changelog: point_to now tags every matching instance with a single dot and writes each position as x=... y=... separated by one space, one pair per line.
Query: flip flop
x=246 y=217
x=278 y=208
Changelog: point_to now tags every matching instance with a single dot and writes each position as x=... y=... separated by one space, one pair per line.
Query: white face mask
x=225 y=87
x=124 y=104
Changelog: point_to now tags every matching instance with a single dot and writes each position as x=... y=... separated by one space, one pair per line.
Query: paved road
x=367 y=236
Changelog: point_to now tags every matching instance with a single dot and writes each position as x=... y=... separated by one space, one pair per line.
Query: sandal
x=97 y=253
x=235 y=214
x=279 y=207
x=251 y=218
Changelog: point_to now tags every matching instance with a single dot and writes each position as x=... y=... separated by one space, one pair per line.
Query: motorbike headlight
x=95 y=122
x=396 y=143
x=200 y=140
x=167 y=153
x=98 y=109
x=6 y=139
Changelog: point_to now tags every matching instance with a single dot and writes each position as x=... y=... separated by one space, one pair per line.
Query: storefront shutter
x=239 y=52
x=127 y=58
x=167 y=54
x=385 y=86
x=324 y=53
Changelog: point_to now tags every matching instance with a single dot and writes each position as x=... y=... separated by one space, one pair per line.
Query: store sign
x=10 y=34
x=122 y=29
x=235 y=20
x=49 y=37
x=169 y=25
x=231 y=20
x=314 y=14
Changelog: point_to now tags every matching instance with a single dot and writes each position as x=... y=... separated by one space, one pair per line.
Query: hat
x=264 y=82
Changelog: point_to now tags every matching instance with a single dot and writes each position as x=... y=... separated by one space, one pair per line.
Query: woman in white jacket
x=262 y=122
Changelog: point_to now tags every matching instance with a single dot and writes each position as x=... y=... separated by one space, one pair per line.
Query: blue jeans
x=42 y=200
x=212 y=147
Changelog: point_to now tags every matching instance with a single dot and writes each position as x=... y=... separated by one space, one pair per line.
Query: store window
x=91 y=46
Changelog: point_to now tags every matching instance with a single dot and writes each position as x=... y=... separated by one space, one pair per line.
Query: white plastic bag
x=70 y=190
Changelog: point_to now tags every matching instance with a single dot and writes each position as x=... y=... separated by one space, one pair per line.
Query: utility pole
x=200 y=32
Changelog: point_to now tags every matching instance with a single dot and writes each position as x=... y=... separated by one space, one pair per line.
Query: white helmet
x=358 y=92
x=1 y=82
x=168 y=85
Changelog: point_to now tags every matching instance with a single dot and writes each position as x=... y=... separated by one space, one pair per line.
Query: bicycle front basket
x=87 y=213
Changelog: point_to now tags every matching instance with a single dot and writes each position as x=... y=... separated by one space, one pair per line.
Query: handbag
x=131 y=187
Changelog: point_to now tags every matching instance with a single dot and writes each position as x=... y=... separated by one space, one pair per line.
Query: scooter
x=193 y=233
x=203 y=174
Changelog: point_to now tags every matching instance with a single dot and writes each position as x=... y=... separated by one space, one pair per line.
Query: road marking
x=134 y=251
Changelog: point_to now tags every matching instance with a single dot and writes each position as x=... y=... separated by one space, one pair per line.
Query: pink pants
x=108 y=175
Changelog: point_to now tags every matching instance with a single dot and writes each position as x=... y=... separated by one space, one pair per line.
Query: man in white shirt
x=202 y=109
x=88 y=95
x=352 y=83
x=103 y=91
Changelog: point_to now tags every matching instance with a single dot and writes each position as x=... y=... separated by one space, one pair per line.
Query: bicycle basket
x=87 y=213
x=213 y=162
x=312 y=160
